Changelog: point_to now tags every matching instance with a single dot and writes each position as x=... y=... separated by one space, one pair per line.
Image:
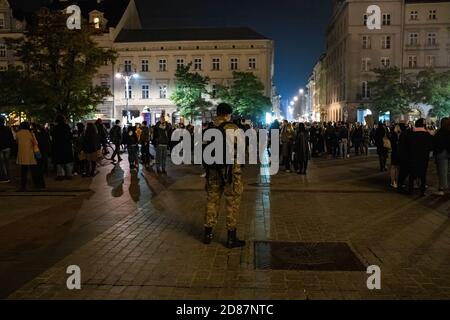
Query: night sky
x=297 y=27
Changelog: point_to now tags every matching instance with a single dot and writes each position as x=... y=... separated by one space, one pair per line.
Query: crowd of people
x=409 y=147
x=77 y=151
x=42 y=149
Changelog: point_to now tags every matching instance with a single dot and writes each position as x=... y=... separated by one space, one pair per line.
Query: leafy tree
x=246 y=94
x=390 y=93
x=59 y=66
x=434 y=89
x=189 y=92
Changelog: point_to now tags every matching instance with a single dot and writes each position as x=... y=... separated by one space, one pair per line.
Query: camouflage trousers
x=232 y=192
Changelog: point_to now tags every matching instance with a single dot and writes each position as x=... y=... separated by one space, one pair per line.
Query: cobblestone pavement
x=139 y=236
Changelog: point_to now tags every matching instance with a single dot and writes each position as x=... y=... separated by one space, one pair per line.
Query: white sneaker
x=394 y=185
x=203 y=175
x=440 y=193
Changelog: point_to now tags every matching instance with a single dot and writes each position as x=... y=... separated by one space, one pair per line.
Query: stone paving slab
x=154 y=251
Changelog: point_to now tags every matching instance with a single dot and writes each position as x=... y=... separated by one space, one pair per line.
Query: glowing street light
x=302 y=91
x=127 y=76
x=295 y=98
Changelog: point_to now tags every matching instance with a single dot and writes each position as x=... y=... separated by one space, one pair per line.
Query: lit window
x=145 y=91
x=97 y=23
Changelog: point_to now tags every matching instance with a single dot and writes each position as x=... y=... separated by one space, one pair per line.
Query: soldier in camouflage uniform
x=225 y=181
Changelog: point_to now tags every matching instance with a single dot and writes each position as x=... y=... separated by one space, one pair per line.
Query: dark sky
x=296 y=26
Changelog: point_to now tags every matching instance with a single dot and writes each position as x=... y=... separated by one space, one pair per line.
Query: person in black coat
x=419 y=144
x=62 y=149
x=302 y=150
x=394 y=137
x=382 y=151
x=442 y=155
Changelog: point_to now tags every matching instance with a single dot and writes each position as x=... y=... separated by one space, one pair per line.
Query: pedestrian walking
x=62 y=149
x=302 y=149
x=6 y=145
x=90 y=147
x=442 y=155
x=115 y=135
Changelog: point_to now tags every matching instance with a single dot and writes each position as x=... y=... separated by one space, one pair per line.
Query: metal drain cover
x=318 y=256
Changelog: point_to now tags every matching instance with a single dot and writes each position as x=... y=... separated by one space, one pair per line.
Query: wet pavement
x=138 y=236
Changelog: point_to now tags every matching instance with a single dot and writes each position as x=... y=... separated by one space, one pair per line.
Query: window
x=413 y=39
x=180 y=63
x=365 y=91
x=216 y=64
x=127 y=66
x=2 y=50
x=2 y=21
x=162 y=65
x=386 y=42
x=163 y=91
x=129 y=91
x=214 y=91
x=366 y=42
x=386 y=19
x=144 y=64
x=145 y=91
x=431 y=39
x=104 y=84
x=252 y=63
x=365 y=19
x=431 y=61
x=3 y=68
x=432 y=14
x=97 y=23
x=365 y=64
x=198 y=64
x=234 y=64
x=412 y=61
x=385 y=62
x=414 y=15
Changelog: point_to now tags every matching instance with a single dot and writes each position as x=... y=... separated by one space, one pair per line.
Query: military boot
x=208 y=235
x=233 y=241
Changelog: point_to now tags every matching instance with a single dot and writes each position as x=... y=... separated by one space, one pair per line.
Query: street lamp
x=127 y=75
x=301 y=91
x=295 y=98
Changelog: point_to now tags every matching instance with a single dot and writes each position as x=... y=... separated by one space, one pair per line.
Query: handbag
x=36 y=151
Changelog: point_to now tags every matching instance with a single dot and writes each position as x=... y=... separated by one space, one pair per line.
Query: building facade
x=148 y=59
x=11 y=26
x=414 y=34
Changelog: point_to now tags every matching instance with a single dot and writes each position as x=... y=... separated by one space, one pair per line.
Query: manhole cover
x=321 y=256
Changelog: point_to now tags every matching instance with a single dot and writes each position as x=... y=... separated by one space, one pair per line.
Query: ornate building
x=151 y=57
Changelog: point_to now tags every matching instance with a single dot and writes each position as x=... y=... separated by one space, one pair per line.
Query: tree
x=246 y=94
x=189 y=92
x=390 y=93
x=434 y=89
x=60 y=65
